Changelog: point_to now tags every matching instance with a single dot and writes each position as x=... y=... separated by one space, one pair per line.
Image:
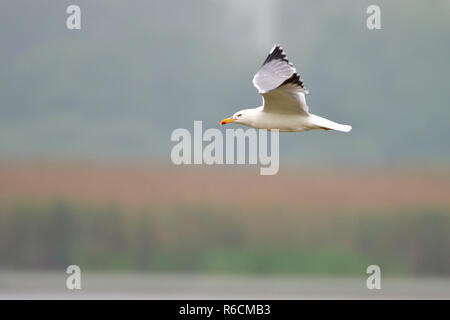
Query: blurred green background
x=109 y=95
x=211 y=241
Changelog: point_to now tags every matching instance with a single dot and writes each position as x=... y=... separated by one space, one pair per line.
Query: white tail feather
x=328 y=124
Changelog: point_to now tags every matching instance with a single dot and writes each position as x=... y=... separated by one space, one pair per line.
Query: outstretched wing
x=280 y=85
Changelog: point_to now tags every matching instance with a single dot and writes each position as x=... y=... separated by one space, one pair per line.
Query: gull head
x=244 y=117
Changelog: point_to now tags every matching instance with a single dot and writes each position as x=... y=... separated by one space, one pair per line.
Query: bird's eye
x=239 y=115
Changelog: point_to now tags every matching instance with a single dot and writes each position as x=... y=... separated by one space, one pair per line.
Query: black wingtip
x=276 y=53
x=294 y=79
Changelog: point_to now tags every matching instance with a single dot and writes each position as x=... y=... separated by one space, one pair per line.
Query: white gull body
x=284 y=104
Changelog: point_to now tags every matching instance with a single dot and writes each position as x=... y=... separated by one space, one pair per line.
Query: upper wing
x=279 y=84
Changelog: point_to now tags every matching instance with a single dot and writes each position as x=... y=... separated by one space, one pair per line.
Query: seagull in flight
x=284 y=104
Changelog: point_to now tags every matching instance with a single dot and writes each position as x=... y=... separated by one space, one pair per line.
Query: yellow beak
x=226 y=120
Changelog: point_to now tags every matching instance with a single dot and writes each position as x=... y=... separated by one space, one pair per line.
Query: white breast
x=282 y=122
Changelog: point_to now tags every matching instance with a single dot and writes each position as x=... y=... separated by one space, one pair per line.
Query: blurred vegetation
x=117 y=88
x=223 y=241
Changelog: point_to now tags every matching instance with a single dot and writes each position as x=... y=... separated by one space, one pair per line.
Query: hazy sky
x=137 y=70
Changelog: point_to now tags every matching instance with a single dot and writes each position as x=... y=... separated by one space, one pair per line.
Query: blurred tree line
x=53 y=236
